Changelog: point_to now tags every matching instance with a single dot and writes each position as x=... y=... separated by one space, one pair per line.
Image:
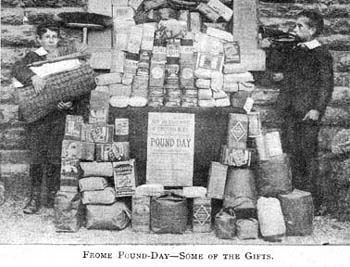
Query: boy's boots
x=36 y=173
x=53 y=183
x=33 y=205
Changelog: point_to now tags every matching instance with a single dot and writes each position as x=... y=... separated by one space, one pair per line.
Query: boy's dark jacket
x=308 y=81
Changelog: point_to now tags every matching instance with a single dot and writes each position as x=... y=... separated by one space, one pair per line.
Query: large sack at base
x=64 y=86
x=107 y=217
x=225 y=224
x=274 y=176
x=169 y=214
x=69 y=212
x=298 y=211
x=240 y=190
x=271 y=219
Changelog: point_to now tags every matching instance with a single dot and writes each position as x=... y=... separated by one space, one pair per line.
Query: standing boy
x=45 y=136
x=307 y=81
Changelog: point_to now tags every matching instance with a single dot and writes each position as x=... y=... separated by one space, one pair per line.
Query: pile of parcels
x=254 y=181
x=99 y=187
x=96 y=169
x=175 y=58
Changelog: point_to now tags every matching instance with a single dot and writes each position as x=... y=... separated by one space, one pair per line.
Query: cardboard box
x=118 y=58
x=157 y=74
x=187 y=76
x=100 y=7
x=273 y=144
x=71 y=167
x=99 y=107
x=141 y=213
x=254 y=126
x=210 y=62
x=121 y=126
x=100 y=58
x=208 y=12
x=124 y=178
x=224 y=36
x=70 y=174
x=235 y=157
x=217 y=180
x=148 y=36
x=100 y=39
x=159 y=53
x=232 y=52
x=98 y=133
x=117 y=151
x=135 y=39
x=201 y=218
x=237 y=131
x=195 y=22
x=73 y=127
x=224 y=11
x=78 y=150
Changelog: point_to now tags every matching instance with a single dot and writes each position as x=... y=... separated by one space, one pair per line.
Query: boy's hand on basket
x=38 y=83
x=65 y=105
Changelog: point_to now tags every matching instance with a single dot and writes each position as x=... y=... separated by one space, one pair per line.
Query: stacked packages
x=175 y=53
x=96 y=171
x=263 y=199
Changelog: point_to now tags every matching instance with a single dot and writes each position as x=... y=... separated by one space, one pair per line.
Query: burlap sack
x=64 y=86
x=225 y=224
x=69 y=212
x=169 y=214
x=107 y=217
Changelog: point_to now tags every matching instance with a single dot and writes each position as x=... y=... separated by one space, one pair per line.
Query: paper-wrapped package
x=92 y=183
x=108 y=78
x=119 y=101
x=105 y=196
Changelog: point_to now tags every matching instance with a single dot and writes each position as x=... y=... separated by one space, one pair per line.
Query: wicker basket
x=63 y=86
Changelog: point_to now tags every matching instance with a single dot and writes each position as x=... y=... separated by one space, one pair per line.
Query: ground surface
x=18 y=228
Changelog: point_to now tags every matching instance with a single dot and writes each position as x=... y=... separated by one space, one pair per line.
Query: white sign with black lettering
x=170 y=149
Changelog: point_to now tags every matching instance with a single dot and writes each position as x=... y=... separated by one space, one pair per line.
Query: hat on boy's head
x=52 y=26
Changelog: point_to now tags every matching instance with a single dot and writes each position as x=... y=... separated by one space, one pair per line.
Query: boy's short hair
x=315 y=20
x=42 y=28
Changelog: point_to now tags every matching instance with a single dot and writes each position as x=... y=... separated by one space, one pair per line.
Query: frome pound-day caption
x=154 y=255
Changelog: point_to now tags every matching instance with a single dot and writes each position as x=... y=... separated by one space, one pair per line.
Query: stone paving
x=18 y=228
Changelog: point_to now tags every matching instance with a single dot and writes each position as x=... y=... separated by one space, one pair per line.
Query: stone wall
x=18 y=18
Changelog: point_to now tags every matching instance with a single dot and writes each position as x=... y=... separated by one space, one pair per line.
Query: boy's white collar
x=41 y=51
x=311 y=44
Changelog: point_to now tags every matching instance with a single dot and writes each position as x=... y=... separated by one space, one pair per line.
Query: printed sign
x=170 y=149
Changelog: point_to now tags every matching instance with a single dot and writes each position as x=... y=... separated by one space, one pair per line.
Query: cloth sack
x=107 y=217
x=69 y=212
x=169 y=214
x=225 y=224
x=247 y=228
x=240 y=190
x=92 y=183
x=105 y=196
